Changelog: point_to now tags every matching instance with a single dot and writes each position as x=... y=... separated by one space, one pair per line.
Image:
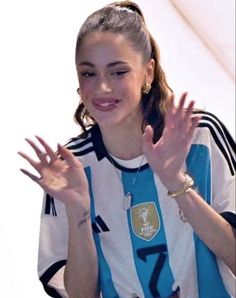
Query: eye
x=87 y=74
x=119 y=72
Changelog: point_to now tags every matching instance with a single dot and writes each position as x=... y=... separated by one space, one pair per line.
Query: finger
x=68 y=156
x=41 y=155
x=47 y=148
x=187 y=116
x=189 y=110
x=33 y=163
x=171 y=110
x=31 y=176
x=182 y=101
x=195 y=122
x=148 y=138
x=180 y=107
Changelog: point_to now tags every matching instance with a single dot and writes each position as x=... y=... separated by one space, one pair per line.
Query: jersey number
x=157 y=249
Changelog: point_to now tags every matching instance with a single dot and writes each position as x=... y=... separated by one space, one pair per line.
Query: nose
x=104 y=85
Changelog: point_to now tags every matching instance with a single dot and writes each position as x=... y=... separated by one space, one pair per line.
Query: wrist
x=183 y=187
x=172 y=183
x=77 y=202
x=77 y=214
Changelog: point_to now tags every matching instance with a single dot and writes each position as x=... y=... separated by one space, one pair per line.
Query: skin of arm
x=166 y=157
x=65 y=179
x=81 y=271
x=209 y=225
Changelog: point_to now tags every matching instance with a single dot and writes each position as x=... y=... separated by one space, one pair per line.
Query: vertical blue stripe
x=145 y=252
x=210 y=283
x=105 y=279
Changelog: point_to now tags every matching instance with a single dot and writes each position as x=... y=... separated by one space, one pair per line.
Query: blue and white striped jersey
x=146 y=251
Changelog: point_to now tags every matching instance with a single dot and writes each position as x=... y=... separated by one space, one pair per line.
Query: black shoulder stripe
x=221 y=147
x=83 y=152
x=221 y=126
x=228 y=141
x=226 y=144
x=78 y=145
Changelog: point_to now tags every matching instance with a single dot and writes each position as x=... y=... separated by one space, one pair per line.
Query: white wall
x=38 y=96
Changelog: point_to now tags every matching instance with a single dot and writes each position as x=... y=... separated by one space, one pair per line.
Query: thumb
x=147 y=138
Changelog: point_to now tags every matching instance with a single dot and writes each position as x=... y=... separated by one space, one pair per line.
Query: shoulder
x=88 y=147
x=213 y=124
x=212 y=132
x=81 y=144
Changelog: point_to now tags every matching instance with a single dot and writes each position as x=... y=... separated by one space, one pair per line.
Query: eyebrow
x=112 y=64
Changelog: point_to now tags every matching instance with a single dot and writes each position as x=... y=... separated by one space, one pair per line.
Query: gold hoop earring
x=146 y=88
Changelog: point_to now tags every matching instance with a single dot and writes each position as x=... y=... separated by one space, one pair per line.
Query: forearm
x=210 y=226
x=81 y=272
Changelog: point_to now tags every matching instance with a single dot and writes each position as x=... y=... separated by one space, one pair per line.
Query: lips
x=105 y=104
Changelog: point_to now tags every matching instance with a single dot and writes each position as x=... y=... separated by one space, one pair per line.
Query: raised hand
x=60 y=174
x=167 y=156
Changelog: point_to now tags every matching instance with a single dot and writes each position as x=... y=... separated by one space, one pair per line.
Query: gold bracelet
x=183 y=188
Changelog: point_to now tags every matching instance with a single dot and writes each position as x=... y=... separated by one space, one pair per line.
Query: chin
x=108 y=121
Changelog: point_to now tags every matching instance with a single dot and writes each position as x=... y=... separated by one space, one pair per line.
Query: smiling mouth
x=106 y=104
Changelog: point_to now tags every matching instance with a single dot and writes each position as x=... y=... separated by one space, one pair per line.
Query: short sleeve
x=52 y=252
x=223 y=169
x=222 y=153
x=222 y=157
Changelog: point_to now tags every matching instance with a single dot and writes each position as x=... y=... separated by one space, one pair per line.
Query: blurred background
x=38 y=96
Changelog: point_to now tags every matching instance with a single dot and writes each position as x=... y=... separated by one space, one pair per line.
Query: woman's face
x=111 y=75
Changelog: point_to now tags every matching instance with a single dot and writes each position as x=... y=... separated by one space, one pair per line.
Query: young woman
x=141 y=203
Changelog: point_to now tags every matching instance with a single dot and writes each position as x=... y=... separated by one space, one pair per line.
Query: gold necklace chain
x=128 y=196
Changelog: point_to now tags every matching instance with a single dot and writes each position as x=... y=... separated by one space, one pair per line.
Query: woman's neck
x=123 y=142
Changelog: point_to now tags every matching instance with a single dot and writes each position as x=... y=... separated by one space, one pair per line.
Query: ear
x=149 y=72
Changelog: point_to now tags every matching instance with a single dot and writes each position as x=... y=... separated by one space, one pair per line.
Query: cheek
x=135 y=85
x=133 y=91
x=129 y=86
x=86 y=86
